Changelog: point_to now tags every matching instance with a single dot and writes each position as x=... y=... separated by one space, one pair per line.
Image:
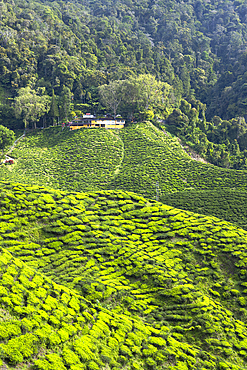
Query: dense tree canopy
x=6 y=137
x=135 y=94
x=31 y=105
x=197 y=48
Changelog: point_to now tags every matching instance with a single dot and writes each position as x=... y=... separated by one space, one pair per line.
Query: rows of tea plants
x=230 y=205
x=46 y=326
x=152 y=156
x=83 y=159
x=183 y=275
x=139 y=158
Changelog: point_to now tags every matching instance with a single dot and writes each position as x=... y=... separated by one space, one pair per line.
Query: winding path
x=7 y=157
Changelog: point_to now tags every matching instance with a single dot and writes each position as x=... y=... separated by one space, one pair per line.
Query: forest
x=57 y=60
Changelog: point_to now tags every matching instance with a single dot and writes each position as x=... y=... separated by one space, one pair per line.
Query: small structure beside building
x=8 y=161
x=90 y=121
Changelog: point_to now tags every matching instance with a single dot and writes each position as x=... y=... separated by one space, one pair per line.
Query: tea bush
x=144 y=286
x=133 y=159
x=227 y=204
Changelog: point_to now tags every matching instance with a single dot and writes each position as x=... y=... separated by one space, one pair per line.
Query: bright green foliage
x=137 y=287
x=133 y=159
x=85 y=159
x=31 y=105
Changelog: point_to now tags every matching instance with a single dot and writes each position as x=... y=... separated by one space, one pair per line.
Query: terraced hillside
x=133 y=159
x=152 y=155
x=77 y=160
x=230 y=205
x=110 y=280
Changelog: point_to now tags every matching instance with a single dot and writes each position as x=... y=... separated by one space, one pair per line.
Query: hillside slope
x=84 y=45
x=81 y=160
x=139 y=158
x=152 y=155
x=144 y=285
x=227 y=204
x=132 y=159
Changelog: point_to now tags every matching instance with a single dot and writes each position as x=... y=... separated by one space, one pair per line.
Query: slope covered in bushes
x=230 y=205
x=132 y=159
x=109 y=279
x=152 y=155
x=65 y=159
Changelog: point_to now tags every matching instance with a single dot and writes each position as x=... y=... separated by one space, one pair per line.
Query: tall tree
x=65 y=103
x=31 y=105
x=134 y=94
x=53 y=112
x=150 y=91
x=111 y=95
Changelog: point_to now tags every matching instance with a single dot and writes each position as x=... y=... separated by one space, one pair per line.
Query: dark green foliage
x=53 y=112
x=6 y=137
x=220 y=142
x=227 y=204
x=198 y=47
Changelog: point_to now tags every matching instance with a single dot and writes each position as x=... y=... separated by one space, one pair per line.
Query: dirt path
x=7 y=157
x=117 y=170
x=15 y=142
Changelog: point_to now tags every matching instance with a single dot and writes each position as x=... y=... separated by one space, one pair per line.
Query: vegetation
x=226 y=204
x=31 y=105
x=220 y=142
x=137 y=95
x=108 y=278
x=132 y=159
x=6 y=137
x=59 y=60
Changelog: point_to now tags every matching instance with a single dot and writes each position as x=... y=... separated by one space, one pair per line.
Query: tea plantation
x=110 y=280
x=132 y=159
x=230 y=205
x=68 y=160
x=152 y=155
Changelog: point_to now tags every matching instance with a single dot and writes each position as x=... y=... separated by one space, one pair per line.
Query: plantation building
x=90 y=121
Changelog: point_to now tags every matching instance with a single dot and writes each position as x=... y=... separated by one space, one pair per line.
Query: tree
x=53 y=112
x=6 y=137
x=135 y=94
x=31 y=105
x=111 y=95
x=65 y=105
x=151 y=92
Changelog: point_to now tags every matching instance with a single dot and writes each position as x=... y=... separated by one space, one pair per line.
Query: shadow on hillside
x=51 y=136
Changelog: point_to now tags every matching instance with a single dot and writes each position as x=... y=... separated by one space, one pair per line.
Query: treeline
x=220 y=142
x=59 y=45
x=56 y=56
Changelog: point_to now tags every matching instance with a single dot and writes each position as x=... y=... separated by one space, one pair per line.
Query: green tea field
x=227 y=204
x=77 y=160
x=132 y=159
x=111 y=280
